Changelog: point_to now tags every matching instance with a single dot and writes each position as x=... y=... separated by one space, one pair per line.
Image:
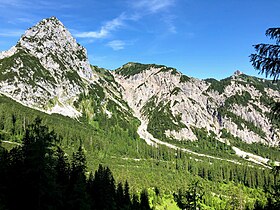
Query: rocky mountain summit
x=48 y=70
x=56 y=48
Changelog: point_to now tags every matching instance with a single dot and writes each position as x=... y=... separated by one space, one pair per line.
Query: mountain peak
x=49 y=32
x=53 y=18
x=53 y=44
x=237 y=73
x=46 y=69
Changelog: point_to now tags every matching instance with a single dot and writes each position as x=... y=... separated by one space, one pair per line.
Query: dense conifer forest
x=39 y=175
x=39 y=171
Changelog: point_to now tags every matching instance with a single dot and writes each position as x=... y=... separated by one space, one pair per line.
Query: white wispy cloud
x=152 y=6
x=169 y=21
x=43 y=4
x=55 y=5
x=25 y=20
x=11 y=3
x=20 y=20
x=144 y=8
x=116 y=44
x=96 y=58
x=105 y=30
x=11 y=33
x=137 y=11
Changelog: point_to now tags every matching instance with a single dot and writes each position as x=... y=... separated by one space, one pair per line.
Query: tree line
x=14 y=122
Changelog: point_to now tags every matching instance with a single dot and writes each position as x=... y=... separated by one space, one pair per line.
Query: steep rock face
x=173 y=105
x=47 y=69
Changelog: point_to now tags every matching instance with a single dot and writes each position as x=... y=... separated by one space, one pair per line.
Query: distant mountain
x=173 y=106
x=48 y=70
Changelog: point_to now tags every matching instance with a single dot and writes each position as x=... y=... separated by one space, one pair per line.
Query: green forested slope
x=132 y=159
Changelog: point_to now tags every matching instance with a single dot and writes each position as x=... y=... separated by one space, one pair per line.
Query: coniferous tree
x=38 y=176
x=62 y=172
x=189 y=199
x=274 y=199
x=274 y=192
x=267 y=61
x=120 y=196
x=104 y=189
x=4 y=166
x=144 y=200
x=127 y=202
x=90 y=190
x=62 y=168
x=135 y=202
x=15 y=179
x=78 y=198
x=259 y=206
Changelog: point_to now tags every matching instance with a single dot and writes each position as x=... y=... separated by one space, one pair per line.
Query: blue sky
x=201 y=38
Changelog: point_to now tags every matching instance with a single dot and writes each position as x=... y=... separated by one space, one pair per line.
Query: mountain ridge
x=193 y=89
x=49 y=70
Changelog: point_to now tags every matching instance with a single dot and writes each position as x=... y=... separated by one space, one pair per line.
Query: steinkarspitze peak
x=54 y=45
x=46 y=68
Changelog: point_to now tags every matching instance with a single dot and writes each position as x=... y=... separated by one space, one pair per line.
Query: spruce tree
x=267 y=61
x=127 y=201
x=62 y=175
x=144 y=200
x=78 y=197
x=190 y=199
x=120 y=196
x=38 y=176
x=135 y=202
x=104 y=189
